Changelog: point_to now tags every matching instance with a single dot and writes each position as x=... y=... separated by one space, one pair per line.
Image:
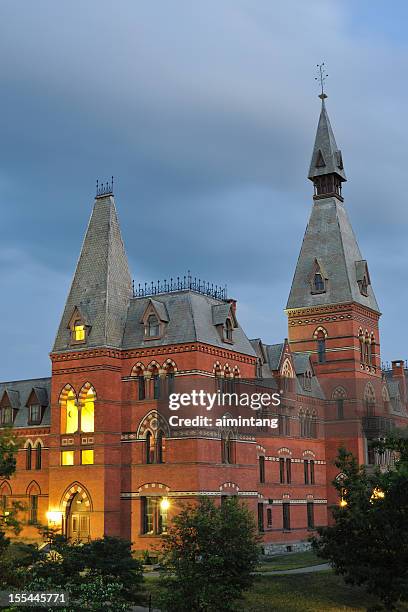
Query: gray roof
x=190 y=319
x=160 y=309
x=23 y=389
x=101 y=288
x=220 y=313
x=302 y=363
x=274 y=354
x=329 y=239
x=326 y=156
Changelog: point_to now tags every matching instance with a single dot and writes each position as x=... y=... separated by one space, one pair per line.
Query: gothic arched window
x=29 y=450
x=321 y=347
x=38 y=456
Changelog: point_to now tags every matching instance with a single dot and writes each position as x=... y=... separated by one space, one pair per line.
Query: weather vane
x=321 y=78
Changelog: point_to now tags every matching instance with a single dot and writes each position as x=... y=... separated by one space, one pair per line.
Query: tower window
x=67 y=458
x=87 y=456
x=38 y=456
x=318 y=282
x=321 y=347
x=79 y=331
x=261 y=469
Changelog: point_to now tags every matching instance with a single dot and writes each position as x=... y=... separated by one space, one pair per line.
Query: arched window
x=29 y=449
x=153 y=326
x=321 y=347
x=159 y=447
x=262 y=469
x=149 y=448
x=372 y=349
x=361 y=343
x=38 y=457
x=218 y=378
x=88 y=411
x=227 y=455
x=313 y=425
x=69 y=410
x=369 y=400
x=367 y=356
x=169 y=378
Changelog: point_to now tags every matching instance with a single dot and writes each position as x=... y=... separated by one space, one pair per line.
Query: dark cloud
x=206 y=114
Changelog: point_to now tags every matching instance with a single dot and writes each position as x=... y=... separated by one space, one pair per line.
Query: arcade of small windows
x=367 y=348
x=151 y=385
x=37 y=456
x=308 y=424
x=154 y=515
x=154 y=447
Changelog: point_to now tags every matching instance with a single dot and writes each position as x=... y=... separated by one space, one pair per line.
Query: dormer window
x=155 y=320
x=318 y=282
x=79 y=331
x=34 y=413
x=228 y=330
x=153 y=326
x=6 y=415
x=318 y=278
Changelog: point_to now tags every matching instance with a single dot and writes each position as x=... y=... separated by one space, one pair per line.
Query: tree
x=99 y=575
x=9 y=445
x=208 y=556
x=368 y=542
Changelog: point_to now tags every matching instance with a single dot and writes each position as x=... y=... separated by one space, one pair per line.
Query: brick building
x=99 y=456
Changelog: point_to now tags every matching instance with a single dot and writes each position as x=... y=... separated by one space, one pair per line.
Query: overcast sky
x=205 y=113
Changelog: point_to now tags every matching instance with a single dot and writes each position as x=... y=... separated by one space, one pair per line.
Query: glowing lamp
x=54 y=517
x=164 y=504
x=343 y=503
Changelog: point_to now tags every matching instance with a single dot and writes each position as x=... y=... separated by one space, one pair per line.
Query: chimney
x=398 y=374
x=233 y=305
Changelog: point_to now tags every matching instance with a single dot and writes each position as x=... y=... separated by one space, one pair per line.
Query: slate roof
x=274 y=354
x=330 y=239
x=101 y=287
x=22 y=389
x=326 y=156
x=190 y=319
x=302 y=363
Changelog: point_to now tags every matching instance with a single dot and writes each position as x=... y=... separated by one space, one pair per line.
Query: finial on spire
x=104 y=189
x=321 y=78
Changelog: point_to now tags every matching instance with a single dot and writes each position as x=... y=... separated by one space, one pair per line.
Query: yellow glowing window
x=87 y=457
x=67 y=458
x=79 y=331
x=87 y=412
x=71 y=414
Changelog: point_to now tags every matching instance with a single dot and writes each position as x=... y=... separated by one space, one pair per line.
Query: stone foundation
x=272 y=549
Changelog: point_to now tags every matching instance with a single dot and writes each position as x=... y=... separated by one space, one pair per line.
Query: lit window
x=87 y=457
x=88 y=412
x=70 y=414
x=154 y=515
x=79 y=331
x=67 y=458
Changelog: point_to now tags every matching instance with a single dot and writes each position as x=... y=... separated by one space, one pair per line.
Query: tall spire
x=101 y=288
x=326 y=167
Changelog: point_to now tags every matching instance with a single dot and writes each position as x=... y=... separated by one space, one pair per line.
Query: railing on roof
x=180 y=283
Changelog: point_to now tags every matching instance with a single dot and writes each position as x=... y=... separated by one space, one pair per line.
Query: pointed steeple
x=101 y=289
x=326 y=166
x=330 y=268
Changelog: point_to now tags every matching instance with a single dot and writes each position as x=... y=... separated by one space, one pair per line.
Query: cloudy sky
x=205 y=112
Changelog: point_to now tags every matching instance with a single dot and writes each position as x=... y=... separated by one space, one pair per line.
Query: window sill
x=148 y=338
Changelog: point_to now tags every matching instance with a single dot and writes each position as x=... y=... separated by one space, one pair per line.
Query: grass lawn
x=290 y=561
x=318 y=592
